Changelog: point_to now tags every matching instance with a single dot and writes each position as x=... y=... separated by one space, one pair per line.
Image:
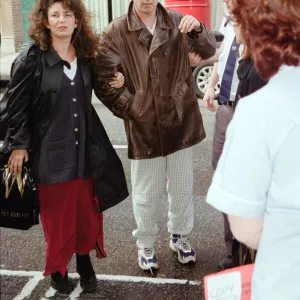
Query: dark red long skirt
x=71 y=221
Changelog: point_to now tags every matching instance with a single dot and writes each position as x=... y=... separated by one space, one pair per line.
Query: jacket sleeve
x=108 y=63
x=255 y=82
x=203 y=42
x=19 y=98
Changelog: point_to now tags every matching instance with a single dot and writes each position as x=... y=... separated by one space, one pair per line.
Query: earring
x=75 y=25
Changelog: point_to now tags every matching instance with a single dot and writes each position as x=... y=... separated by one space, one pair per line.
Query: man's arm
x=202 y=42
x=209 y=96
x=200 y=39
x=19 y=93
x=118 y=100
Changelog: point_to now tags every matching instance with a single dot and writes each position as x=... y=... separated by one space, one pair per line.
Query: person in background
x=224 y=72
x=249 y=82
x=249 y=79
x=158 y=103
x=51 y=123
x=257 y=181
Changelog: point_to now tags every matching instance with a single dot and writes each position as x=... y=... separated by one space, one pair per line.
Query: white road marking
x=106 y=277
x=76 y=293
x=50 y=293
x=120 y=146
x=36 y=277
x=29 y=287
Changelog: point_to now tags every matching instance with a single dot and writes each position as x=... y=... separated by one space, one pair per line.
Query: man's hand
x=195 y=59
x=188 y=23
x=117 y=81
x=16 y=159
x=209 y=99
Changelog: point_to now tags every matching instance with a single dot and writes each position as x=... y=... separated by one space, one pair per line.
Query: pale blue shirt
x=259 y=175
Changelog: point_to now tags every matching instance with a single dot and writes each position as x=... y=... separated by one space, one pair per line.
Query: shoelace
x=148 y=252
x=184 y=242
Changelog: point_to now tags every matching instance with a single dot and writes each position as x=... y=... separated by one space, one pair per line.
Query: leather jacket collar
x=135 y=23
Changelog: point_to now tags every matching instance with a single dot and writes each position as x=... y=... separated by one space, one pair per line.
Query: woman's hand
x=117 y=81
x=16 y=160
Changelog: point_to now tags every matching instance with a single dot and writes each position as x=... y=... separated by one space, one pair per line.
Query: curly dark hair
x=271 y=30
x=84 y=39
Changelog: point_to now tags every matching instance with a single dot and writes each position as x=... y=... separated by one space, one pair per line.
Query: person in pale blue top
x=257 y=181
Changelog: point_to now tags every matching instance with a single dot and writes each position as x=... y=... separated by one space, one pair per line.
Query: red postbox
x=200 y=9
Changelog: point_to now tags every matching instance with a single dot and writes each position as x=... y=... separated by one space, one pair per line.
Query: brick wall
x=17 y=23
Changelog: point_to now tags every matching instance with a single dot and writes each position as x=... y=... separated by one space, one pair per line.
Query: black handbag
x=19 y=204
x=241 y=254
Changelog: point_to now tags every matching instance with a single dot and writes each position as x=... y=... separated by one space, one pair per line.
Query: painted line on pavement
x=29 y=287
x=76 y=293
x=120 y=146
x=124 y=278
x=50 y=293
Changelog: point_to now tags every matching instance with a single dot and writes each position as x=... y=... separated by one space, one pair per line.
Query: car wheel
x=202 y=76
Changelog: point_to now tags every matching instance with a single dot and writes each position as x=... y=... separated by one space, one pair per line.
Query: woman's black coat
x=32 y=94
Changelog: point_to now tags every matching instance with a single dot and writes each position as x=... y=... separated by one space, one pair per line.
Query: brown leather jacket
x=158 y=102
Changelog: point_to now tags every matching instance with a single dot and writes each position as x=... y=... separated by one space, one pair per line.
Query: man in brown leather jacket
x=158 y=103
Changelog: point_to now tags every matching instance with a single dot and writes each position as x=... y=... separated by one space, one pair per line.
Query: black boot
x=88 y=280
x=226 y=263
x=59 y=282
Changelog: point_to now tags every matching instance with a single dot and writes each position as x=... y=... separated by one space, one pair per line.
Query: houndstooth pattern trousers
x=148 y=177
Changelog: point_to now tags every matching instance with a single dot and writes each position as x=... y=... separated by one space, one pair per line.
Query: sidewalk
x=6 y=61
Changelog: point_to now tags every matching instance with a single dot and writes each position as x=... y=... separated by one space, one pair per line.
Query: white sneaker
x=147 y=259
x=181 y=245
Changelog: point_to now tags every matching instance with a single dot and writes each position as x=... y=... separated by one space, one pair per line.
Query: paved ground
x=23 y=253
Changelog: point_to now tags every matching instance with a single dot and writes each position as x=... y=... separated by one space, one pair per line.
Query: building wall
x=6 y=25
x=99 y=10
x=11 y=17
x=17 y=24
x=217 y=13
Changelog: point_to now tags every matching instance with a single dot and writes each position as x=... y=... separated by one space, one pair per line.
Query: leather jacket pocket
x=181 y=91
x=136 y=106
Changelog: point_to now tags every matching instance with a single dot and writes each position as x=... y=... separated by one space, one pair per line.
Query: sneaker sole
x=173 y=247
x=191 y=261
x=152 y=268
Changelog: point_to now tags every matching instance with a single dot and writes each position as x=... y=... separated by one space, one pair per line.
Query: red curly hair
x=271 y=30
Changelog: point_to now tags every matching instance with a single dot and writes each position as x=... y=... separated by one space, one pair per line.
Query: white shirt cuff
x=230 y=204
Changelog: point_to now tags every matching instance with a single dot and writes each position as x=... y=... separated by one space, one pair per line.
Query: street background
x=22 y=254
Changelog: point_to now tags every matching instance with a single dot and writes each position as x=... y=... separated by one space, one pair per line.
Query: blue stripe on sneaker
x=150 y=260
x=186 y=254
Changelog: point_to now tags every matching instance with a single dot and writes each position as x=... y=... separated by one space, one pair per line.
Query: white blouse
x=71 y=73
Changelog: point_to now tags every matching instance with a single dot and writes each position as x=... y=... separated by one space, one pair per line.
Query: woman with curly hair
x=257 y=182
x=53 y=125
